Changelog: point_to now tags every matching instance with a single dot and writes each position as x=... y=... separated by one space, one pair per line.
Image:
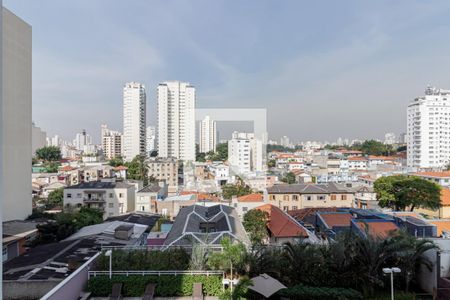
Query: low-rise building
x=248 y=202
x=206 y=226
x=165 y=169
x=441 y=178
x=297 y=196
x=113 y=198
x=282 y=228
x=146 y=197
x=17 y=235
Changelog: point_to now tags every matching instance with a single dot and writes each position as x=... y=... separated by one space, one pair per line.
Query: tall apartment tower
x=134 y=107
x=208 y=136
x=428 y=130
x=245 y=153
x=15 y=117
x=111 y=142
x=176 y=120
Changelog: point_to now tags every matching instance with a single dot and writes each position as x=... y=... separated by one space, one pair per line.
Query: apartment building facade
x=134 y=120
x=297 y=196
x=111 y=197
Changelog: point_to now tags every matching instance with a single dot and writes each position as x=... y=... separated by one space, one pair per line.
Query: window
x=69 y=195
x=120 y=195
x=110 y=195
x=294 y=197
x=333 y=197
x=343 y=197
x=285 y=208
x=142 y=208
x=286 y=197
x=321 y=197
x=272 y=197
x=110 y=205
x=308 y=198
x=79 y=205
x=294 y=207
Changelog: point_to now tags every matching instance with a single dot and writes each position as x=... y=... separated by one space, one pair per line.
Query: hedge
x=166 y=285
x=171 y=259
x=316 y=293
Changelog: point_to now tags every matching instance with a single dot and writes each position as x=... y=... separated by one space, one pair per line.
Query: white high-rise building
x=15 y=117
x=245 y=152
x=176 y=120
x=428 y=130
x=208 y=136
x=390 y=138
x=111 y=142
x=134 y=118
x=82 y=140
x=284 y=141
x=38 y=138
x=151 y=139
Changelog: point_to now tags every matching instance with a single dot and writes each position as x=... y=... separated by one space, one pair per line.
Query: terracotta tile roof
x=444 y=174
x=375 y=157
x=380 y=229
x=441 y=225
x=445 y=197
x=201 y=196
x=67 y=168
x=120 y=168
x=336 y=219
x=281 y=224
x=251 y=198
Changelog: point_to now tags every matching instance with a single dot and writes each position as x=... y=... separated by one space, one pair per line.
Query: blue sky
x=323 y=69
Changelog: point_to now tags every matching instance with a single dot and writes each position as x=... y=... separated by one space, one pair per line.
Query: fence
x=159 y=273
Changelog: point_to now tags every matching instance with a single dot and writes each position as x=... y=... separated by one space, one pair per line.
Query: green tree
x=229 y=258
x=51 y=166
x=137 y=169
x=255 y=223
x=289 y=178
x=401 y=192
x=372 y=147
x=87 y=216
x=271 y=163
x=221 y=153
x=115 y=162
x=49 y=153
x=238 y=189
x=55 y=197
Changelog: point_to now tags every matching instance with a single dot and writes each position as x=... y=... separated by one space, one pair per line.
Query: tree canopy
x=289 y=178
x=55 y=198
x=255 y=223
x=137 y=169
x=115 y=162
x=238 y=189
x=402 y=192
x=372 y=147
x=49 y=153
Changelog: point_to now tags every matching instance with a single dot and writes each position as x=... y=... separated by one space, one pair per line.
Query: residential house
x=146 y=197
x=112 y=197
x=17 y=234
x=296 y=196
x=282 y=228
x=245 y=203
x=206 y=226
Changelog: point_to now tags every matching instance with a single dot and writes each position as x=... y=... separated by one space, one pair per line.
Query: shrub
x=172 y=259
x=166 y=285
x=315 y=293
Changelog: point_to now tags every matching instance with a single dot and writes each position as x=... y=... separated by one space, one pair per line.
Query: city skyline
x=318 y=73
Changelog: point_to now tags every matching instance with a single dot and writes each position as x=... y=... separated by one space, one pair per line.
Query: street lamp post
x=392 y=271
x=109 y=253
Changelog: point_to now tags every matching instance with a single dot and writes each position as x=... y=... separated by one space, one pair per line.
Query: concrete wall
x=16 y=117
x=29 y=289
x=72 y=286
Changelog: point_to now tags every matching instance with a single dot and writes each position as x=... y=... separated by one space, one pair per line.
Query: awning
x=266 y=285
